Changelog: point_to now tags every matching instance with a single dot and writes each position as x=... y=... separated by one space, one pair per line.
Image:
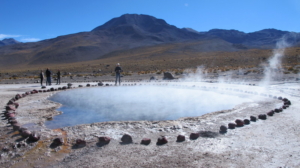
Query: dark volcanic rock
x=262 y=116
x=180 y=138
x=231 y=125
x=10 y=107
x=146 y=141
x=223 y=129
x=168 y=76
x=246 y=121
x=80 y=143
x=194 y=136
x=162 y=140
x=239 y=123
x=104 y=139
x=10 y=102
x=252 y=118
x=58 y=141
x=270 y=113
x=126 y=139
x=16 y=127
x=33 y=137
x=100 y=84
x=25 y=133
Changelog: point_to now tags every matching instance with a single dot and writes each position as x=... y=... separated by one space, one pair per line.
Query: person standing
x=58 y=77
x=118 y=71
x=42 y=77
x=48 y=75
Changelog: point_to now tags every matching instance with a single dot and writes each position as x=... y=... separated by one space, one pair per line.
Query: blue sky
x=34 y=20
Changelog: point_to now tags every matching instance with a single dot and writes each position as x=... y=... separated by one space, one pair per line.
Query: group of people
x=118 y=71
x=48 y=77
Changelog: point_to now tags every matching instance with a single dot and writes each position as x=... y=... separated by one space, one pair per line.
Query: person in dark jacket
x=58 y=77
x=42 y=77
x=48 y=75
x=118 y=71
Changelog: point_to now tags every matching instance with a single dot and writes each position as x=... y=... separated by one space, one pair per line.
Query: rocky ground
x=274 y=142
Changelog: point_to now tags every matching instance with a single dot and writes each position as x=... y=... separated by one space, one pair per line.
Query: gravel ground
x=274 y=142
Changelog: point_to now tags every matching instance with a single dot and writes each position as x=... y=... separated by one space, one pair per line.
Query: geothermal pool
x=132 y=103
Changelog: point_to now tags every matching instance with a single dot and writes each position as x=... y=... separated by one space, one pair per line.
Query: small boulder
x=262 y=116
x=239 y=123
x=223 y=129
x=126 y=138
x=146 y=141
x=58 y=141
x=252 y=118
x=10 y=107
x=33 y=137
x=104 y=140
x=270 y=113
x=16 y=104
x=180 y=138
x=246 y=121
x=80 y=143
x=16 y=127
x=194 y=136
x=231 y=125
x=168 y=76
x=12 y=122
x=10 y=102
x=162 y=140
x=25 y=133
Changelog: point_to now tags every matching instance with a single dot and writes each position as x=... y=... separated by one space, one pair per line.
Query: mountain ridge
x=131 y=31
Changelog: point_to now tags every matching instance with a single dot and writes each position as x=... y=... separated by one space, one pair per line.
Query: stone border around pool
x=10 y=114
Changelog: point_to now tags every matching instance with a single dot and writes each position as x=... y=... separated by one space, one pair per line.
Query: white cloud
x=2 y=36
x=186 y=4
x=29 y=39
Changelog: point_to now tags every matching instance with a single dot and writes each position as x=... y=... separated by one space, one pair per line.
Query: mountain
x=127 y=32
x=145 y=27
x=8 y=41
x=265 y=39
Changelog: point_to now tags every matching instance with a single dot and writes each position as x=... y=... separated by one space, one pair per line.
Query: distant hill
x=8 y=41
x=131 y=31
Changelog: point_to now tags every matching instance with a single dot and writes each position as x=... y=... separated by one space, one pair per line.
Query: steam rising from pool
x=89 y=105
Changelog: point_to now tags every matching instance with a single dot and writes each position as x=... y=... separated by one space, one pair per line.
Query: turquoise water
x=90 y=105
